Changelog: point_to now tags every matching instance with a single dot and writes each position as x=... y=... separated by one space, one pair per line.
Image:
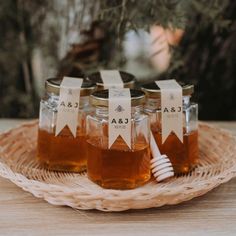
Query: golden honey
x=183 y=156
x=62 y=152
x=118 y=167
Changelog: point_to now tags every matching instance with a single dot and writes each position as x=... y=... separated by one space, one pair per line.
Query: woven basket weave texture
x=217 y=165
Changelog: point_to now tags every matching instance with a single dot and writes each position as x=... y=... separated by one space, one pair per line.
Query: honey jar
x=182 y=154
x=112 y=78
x=118 y=166
x=64 y=151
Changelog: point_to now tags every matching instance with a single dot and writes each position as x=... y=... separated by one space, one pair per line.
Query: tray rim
x=19 y=179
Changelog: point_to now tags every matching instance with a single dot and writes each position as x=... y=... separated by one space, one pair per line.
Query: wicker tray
x=17 y=163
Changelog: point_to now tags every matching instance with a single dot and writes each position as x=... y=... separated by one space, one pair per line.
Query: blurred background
x=191 y=41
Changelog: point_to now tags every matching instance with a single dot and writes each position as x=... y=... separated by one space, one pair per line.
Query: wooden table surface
x=211 y=214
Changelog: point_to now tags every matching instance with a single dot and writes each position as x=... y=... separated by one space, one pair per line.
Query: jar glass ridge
x=118 y=167
x=63 y=152
x=184 y=156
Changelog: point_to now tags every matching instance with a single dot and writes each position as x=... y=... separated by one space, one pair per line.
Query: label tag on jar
x=171 y=108
x=68 y=105
x=111 y=79
x=119 y=116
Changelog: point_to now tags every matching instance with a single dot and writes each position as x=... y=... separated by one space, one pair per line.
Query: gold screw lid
x=52 y=85
x=127 y=78
x=152 y=89
x=101 y=98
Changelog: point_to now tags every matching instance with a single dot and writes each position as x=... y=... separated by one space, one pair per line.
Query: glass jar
x=118 y=167
x=184 y=156
x=127 y=78
x=63 y=152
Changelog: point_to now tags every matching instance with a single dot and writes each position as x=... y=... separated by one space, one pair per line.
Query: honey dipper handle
x=154 y=148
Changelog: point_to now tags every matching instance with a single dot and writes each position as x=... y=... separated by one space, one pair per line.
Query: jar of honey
x=183 y=155
x=62 y=152
x=120 y=166
x=126 y=80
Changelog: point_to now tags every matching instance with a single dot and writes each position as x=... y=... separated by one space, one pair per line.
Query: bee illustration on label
x=69 y=92
x=172 y=97
x=119 y=108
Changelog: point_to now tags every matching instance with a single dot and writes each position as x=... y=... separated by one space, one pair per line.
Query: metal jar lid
x=52 y=85
x=127 y=78
x=100 y=98
x=152 y=89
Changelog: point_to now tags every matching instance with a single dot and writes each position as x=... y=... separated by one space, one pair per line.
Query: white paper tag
x=119 y=116
x=171 y=108
x=111 y=79
x=68 y=105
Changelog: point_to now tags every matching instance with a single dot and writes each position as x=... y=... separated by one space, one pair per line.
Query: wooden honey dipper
x=160 y=164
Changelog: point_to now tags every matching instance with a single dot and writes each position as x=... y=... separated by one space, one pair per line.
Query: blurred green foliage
x=205 y=57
